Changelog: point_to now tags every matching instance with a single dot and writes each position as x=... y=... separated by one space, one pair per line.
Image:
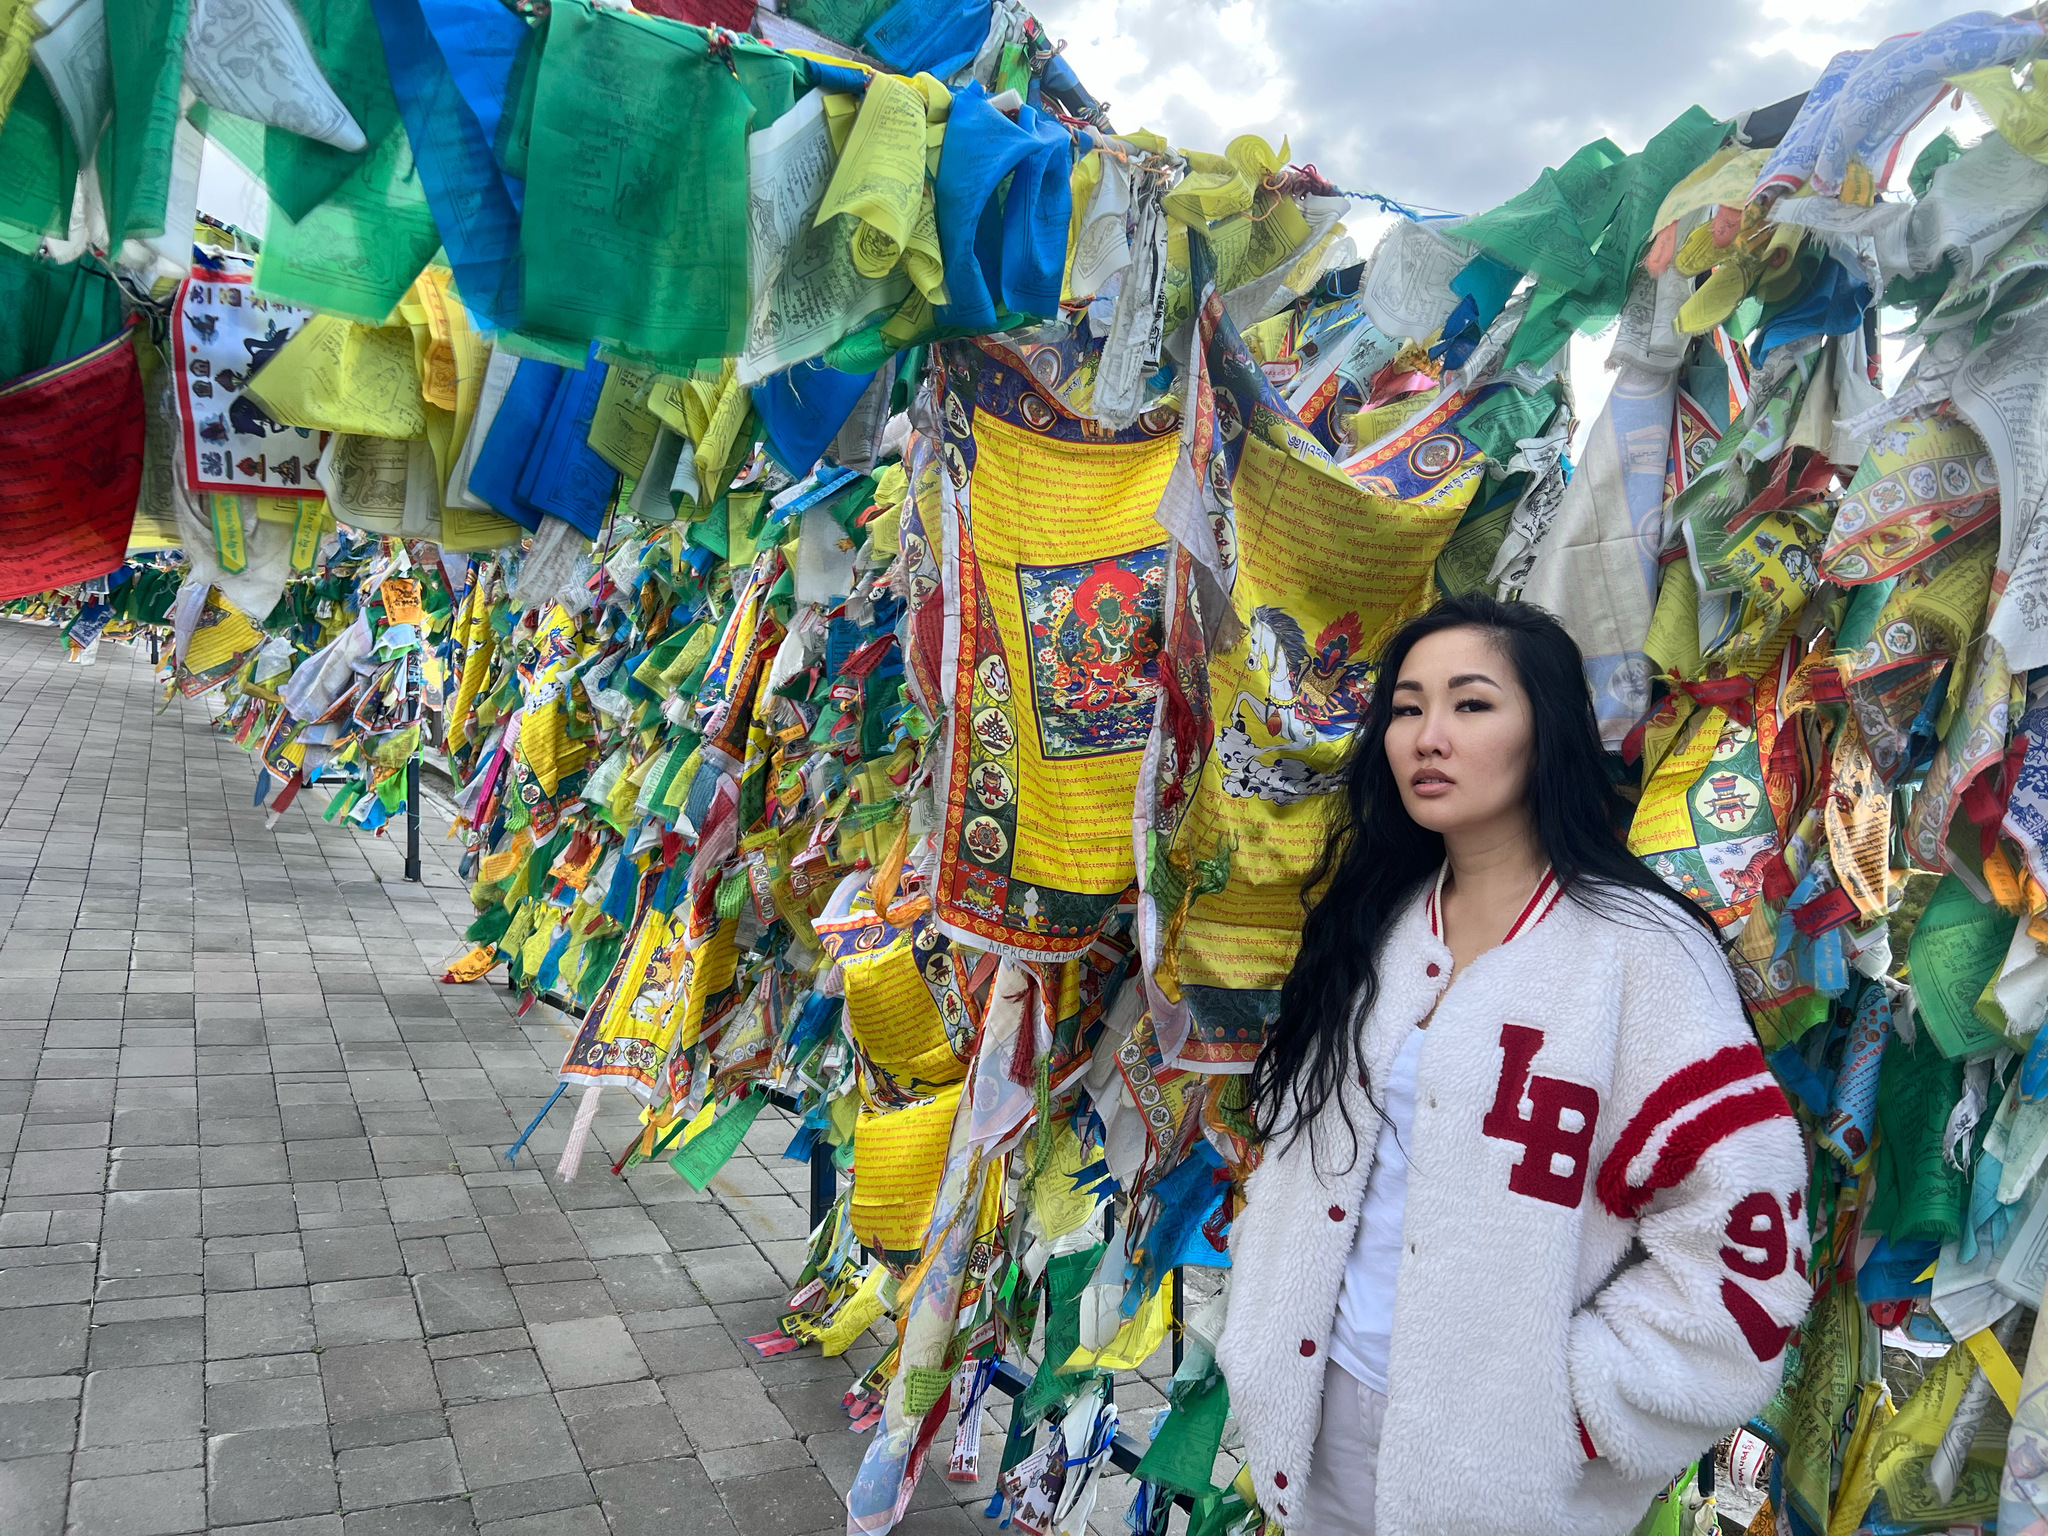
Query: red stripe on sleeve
x=1692 y=1141
x=1725 y=1067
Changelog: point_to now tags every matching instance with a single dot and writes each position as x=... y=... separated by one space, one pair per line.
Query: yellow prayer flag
x=473 y=966
x=335 y=375
x=1136 y=1342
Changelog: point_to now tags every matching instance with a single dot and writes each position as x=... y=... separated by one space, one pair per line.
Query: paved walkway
x=262 y=1266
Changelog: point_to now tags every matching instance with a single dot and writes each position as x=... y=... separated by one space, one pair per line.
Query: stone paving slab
x=262 y=1265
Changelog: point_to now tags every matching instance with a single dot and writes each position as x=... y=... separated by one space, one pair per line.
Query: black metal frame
x=1125 y=1451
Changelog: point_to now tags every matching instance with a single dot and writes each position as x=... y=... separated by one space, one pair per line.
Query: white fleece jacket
x=1605 y=1231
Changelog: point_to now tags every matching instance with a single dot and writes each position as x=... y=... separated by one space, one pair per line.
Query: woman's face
x=1462 y=738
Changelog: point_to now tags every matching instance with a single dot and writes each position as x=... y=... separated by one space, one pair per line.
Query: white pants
x=1343 y=1476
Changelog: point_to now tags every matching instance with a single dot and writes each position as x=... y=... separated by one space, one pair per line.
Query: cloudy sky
x=1456 y=103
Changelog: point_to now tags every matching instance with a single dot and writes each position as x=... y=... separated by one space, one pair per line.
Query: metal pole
x=1179 y=1327
x=412 y=781
x=824 y=1183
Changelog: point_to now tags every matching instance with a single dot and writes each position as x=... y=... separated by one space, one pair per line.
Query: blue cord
x=512 y=1151
x=1391 y=205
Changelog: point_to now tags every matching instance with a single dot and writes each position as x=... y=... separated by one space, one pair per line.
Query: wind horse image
x=1310 y=700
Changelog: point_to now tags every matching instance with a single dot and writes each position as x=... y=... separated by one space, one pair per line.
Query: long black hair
x=1376 y=861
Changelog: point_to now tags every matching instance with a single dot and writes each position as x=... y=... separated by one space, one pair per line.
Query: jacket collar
x=1541 y=903
x=1414 y=974
x=1415 y=967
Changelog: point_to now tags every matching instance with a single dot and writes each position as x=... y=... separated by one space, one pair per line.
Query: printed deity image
x=1095 y=633
x=1926 y=482
x=627 y=1033
x=1323 y=561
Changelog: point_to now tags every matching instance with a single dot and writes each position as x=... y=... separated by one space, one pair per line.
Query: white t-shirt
x=1365 y=1309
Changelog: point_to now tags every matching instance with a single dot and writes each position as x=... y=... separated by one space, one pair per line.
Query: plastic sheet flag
x=1135 y=1342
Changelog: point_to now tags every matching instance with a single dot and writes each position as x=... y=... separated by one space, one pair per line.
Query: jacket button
x=1336 y=1213
x=1434 y=969
x=1308 y=1346
x=1279 y=1479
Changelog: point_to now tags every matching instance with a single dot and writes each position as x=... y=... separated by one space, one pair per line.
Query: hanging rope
x=1420 y=213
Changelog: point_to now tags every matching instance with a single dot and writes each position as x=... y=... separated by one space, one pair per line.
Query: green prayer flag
x=240 y=138
x=1216 y=1513
x=862 y=352
x=1831 y=1349
x=847 y=501
x=712 y=1148
x=1919 y=1196
x=599 y=956
x=54 y=313
x=626 y=241
x=1066 y=1277
x=1580 y=229
x=1498 y=423
x=146 y=52
x=1548 y=230
x=535 y=875
x=1668 y=1515
x=515 y=127
x=1958 y=945
x=841 y=20
x=356 y=252
x=488 y=926
x=302 y=173
x=1182 y=1456
x=38 y=167
x=1941 y=149
x=714 y=534
x=1468 y=555
x=1018 y=1442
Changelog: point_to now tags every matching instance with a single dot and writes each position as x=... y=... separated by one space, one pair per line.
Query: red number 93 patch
x=1763 y=1235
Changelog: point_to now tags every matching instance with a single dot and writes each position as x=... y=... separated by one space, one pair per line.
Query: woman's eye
x=1475 y=705
x=1406 y=709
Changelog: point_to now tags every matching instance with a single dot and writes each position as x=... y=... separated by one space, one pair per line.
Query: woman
x=1528 y=1232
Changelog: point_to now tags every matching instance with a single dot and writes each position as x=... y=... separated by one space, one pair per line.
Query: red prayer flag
x=70 y=469
x=733 y=15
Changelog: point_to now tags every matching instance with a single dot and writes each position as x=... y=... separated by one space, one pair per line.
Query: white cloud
x=1456 y=104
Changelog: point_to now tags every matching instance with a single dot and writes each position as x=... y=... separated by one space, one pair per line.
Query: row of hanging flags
x=897 y=618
